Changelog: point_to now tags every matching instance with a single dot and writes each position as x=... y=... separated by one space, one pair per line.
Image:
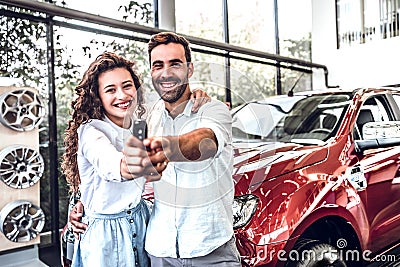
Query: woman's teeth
x=123 y=105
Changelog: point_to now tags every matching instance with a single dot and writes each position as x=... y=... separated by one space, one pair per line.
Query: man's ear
x=190 y=69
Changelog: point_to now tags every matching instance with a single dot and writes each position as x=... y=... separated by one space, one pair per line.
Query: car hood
x=258 y=162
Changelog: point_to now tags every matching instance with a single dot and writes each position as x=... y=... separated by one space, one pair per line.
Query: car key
x=139 y=129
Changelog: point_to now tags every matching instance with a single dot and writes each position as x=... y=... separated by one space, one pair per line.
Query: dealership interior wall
x=245 y=52
x=369 y=63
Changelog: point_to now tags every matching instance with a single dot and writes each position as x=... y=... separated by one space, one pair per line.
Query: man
x=191 y=223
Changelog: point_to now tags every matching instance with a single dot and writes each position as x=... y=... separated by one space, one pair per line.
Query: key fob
x=139 y=129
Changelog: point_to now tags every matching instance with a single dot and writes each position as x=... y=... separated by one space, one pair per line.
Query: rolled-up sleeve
x=216 y=116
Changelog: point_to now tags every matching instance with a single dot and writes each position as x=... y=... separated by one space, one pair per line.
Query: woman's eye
x=110 y=90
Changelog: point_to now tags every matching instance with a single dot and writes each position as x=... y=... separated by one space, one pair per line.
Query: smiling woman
x=94 y=162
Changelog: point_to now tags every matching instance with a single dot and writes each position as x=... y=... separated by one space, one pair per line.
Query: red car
x=317 y=179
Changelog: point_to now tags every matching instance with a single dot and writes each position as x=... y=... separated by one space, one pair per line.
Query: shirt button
x=134 y=248
x=131 y=220
x=134 y=235
x=129 y=211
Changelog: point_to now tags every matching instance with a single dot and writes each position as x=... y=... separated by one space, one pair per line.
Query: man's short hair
x=166 y=38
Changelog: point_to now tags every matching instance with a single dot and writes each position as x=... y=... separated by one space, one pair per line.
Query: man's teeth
x=168 y=85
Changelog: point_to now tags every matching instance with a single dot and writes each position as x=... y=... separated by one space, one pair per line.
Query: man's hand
x=157 y=157
x=197 y=145
x=160 y=147
x=199 y=97
x=74 y=220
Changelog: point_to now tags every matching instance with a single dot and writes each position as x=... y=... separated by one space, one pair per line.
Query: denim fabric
x=114 y=240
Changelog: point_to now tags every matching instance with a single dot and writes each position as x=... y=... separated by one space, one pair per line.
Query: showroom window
x=196 y=18
x=244 y=30
x=139 y=11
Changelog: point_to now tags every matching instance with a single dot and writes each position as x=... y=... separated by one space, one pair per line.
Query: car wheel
x=311 y=253
x=20 y=166
x=21 y=110
x=21 y=221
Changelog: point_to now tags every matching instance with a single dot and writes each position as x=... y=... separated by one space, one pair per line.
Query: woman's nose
x=120 y=93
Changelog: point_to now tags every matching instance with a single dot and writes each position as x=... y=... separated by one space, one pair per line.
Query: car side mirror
x=379 y=135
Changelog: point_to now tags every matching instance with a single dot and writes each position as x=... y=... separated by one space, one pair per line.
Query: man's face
x=169 y=71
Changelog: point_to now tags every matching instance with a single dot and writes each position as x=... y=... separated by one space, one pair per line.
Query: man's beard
x=174 y=95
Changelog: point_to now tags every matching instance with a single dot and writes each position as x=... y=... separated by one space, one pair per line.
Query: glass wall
x=295 y=22
x=200 y=18
x=251 y=81
x=209 y=74
x=251 y=24
x=139 y=11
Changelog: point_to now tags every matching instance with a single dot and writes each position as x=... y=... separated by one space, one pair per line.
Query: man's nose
x=166 y=72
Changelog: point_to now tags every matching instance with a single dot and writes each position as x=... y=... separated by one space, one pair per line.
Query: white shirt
x=192 y=213
x=103 y=190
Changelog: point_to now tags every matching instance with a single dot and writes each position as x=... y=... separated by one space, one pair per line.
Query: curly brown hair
x=88 y=106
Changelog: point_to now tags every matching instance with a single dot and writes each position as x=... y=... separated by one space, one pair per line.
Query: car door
x=381 y=170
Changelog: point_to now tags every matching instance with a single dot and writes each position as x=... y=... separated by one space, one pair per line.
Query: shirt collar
x=186 y=112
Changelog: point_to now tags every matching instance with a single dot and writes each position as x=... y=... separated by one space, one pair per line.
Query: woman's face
x=117 y=93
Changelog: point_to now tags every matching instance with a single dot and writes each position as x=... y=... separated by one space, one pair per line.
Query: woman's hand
x=199 y=97
x=74 y=220
x=131 y=164
x=136 y=162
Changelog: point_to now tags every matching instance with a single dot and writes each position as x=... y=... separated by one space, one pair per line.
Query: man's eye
x=157 y=67
x=176 y=65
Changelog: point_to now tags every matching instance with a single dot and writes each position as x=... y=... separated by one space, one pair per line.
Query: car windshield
x=300 y=119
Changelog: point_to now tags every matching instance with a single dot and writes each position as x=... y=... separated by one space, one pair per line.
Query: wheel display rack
x=21 y=167
x=21 y=221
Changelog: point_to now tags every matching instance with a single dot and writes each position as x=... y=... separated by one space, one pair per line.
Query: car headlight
x=243 y=209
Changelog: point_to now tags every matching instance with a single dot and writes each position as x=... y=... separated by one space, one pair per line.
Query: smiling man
x=192 y=221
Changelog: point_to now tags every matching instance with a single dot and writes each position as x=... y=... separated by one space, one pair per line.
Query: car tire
x=313 y=253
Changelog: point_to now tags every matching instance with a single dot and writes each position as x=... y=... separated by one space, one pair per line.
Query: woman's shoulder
x=97 y=126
